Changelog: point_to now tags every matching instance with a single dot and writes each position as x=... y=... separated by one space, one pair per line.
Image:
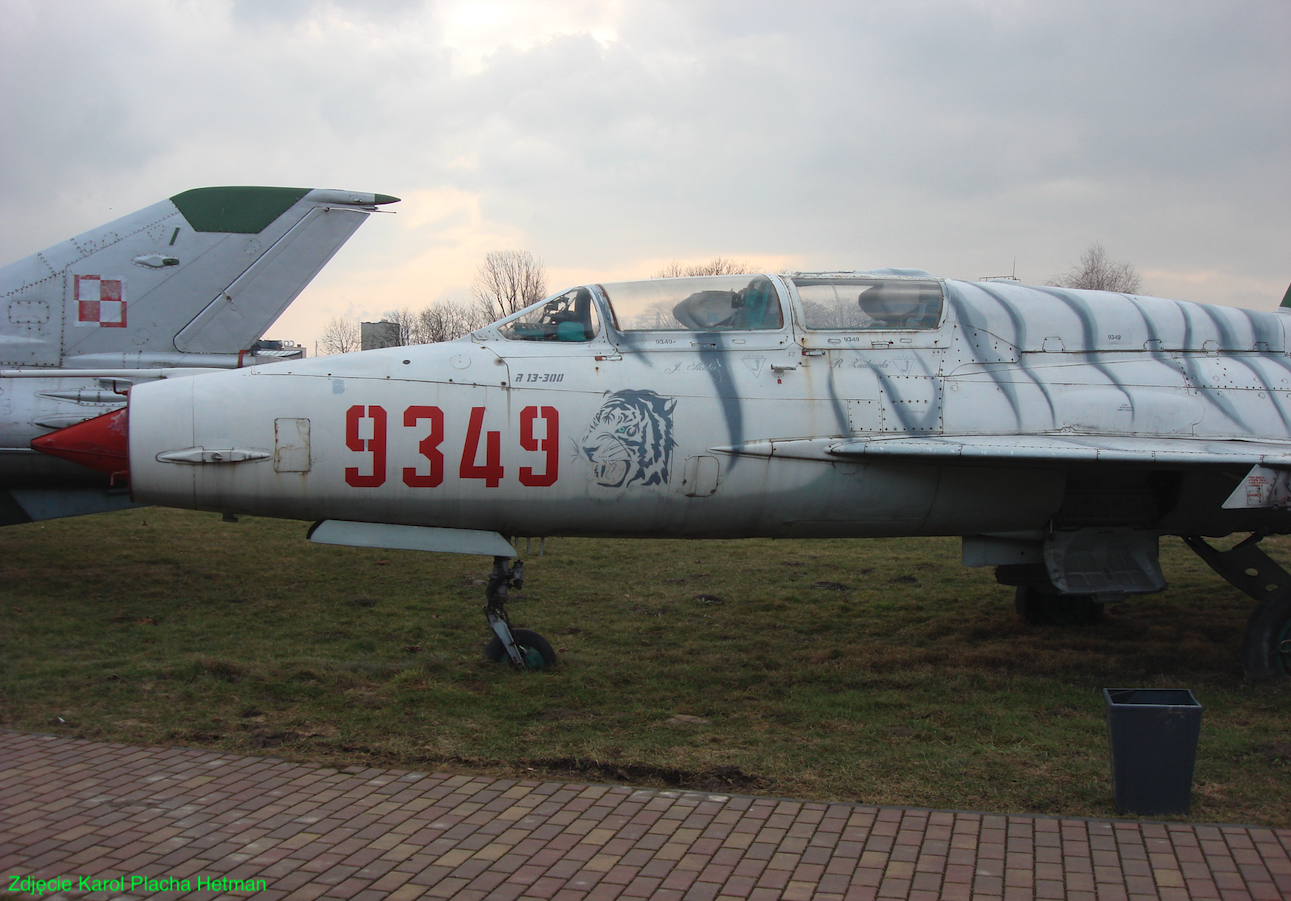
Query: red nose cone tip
x=101 y=443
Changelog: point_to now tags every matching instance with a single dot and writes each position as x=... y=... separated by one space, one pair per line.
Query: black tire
x=1266 y=648
x=525 y=639
x=1040 y=608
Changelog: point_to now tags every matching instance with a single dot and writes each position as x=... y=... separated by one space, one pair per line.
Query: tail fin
x=207 y=271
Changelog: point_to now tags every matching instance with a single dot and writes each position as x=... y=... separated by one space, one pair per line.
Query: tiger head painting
x=629 y=440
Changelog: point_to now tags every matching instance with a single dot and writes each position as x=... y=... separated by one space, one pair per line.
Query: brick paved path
x=102 y=811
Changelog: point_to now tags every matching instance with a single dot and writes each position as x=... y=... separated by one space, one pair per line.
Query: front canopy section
x=569 y=316
x=709 y=303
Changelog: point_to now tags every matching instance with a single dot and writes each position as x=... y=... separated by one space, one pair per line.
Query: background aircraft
x=1059 y=432
x=184 y=286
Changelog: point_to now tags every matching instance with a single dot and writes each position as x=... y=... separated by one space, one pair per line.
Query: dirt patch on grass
x=716 y=779
x=269 y=738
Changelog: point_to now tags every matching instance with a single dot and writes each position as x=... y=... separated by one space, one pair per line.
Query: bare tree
x=446 y=320
x=715 y=266
x=1098 y=272
x=507 y=281
x=340 y=336
x=406 y=322
x=657 y=314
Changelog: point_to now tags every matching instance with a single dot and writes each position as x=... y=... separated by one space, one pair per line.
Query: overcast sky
x=609 y=138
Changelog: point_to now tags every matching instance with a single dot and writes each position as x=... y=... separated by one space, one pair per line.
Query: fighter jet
x=184 y=286
x=1060 y=432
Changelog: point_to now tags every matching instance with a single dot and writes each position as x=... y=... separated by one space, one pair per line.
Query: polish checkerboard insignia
x=100 y=302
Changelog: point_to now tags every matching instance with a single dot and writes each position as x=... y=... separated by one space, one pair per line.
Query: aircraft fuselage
x=781 y=431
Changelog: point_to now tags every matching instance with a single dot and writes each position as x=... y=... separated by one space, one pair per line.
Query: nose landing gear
x=527 y=651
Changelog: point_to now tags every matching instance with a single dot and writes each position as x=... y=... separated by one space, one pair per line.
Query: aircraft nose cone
x=101 y=443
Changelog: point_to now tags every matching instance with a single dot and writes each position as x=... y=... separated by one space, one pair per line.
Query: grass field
x=870 y=671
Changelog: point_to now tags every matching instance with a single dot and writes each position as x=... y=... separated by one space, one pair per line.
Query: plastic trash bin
x=1153 y=734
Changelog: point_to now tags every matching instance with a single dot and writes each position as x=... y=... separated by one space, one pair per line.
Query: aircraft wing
x=1267 y=484
x=1074 y=449
x=1029 y=448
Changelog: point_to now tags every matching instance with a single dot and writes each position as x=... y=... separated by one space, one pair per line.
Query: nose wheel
x=527 y=651
x=535 y=651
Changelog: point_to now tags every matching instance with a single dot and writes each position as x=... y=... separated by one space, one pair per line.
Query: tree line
x=507 y=281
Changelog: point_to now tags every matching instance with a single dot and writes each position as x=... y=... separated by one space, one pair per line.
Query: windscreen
x=570 y=316
x=714 y=303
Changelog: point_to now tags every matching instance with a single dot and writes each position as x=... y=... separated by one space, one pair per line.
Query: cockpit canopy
x=732 y=302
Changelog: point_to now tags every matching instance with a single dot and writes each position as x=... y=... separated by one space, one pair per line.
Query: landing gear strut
x=1266 y=647
x=527 y=651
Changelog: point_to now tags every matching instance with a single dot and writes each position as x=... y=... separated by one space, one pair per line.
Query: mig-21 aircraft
x=1060 y=432
x=183 y=286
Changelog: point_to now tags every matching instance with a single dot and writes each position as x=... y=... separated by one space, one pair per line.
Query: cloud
x=607 y=137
